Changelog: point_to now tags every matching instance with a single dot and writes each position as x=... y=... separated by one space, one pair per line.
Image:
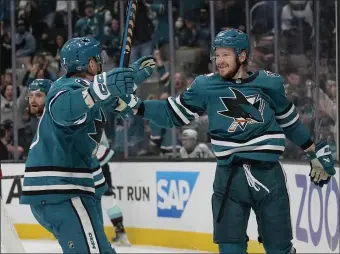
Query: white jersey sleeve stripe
x=295 y=119
x=290 y=111
x=178 y=101
x=178 y=111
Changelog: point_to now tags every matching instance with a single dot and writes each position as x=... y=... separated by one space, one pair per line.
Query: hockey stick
x=128 y=34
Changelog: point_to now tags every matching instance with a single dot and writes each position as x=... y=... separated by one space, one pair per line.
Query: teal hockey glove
x=114 y=83
x=144 y=68
x=123 y=109
x=322 y=164
x=131 y=101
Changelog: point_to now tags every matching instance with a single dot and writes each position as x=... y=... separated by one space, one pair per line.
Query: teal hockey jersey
x=62 y=162
x=248 y=118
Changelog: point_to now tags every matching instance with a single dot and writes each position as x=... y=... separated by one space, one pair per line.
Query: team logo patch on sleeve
x=271 y=74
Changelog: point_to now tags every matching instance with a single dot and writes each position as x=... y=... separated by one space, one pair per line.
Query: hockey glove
x=114 y=83
x=123 y=110
x=143 y=67
x=322 y=164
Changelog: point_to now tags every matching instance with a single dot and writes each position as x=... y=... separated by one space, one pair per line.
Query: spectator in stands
x=230 y=14
x=61 y=13
x=180 y=83
x=161 y=35
x=92 y=24
x=38 y=28
x=186 y=32
x=59 y=43
x=162 y=71
x=112 y=40
x=6 y=57
x=39 y=69
x=297 y=23
x=193 y=149
x=25 y=42
x=7 y=103
x=142 y=35
x=7 y=150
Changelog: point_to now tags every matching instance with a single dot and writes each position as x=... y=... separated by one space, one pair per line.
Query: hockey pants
x=256 y=185
x=77 y=224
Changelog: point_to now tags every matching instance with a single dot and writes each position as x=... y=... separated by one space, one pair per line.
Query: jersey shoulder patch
x=271 y=74
x=270 y=80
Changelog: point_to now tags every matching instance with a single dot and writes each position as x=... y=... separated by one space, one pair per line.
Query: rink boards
x=168 y=204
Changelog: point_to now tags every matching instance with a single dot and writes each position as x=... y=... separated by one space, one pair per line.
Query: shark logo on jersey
x=242 y=109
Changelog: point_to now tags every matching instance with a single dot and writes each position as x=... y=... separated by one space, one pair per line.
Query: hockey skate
x=121 y=238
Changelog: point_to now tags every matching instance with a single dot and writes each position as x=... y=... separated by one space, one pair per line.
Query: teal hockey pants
x=77 y=224
x=256 y=185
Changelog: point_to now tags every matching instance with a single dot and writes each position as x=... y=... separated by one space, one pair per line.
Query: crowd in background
x=42 y=29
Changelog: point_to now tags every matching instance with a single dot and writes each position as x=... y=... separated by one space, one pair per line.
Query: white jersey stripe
x=59 y=174
x=97 y=172
x=178 y=111
x=250 y=148
x=99 y=182
x=186 y=109
x=58 y=187
x=250 y=142
x=295 y=119
x=290 y=111
x=86 y=224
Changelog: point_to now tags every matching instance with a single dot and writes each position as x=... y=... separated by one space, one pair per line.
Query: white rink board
x=315 y=223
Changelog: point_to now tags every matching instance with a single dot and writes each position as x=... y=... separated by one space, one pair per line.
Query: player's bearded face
x=226 y=62
x=36 y=100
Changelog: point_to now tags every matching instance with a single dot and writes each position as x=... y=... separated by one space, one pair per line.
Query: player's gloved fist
x=143 y=67
x=114 y=83
x=123 y=109
x=322 y=164
x=131 y=101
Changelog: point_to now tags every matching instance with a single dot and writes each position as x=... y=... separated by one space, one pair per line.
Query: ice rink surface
x=32 y=246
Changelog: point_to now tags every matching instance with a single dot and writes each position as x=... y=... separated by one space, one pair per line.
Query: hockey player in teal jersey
x=249 y=119
x=62 y=178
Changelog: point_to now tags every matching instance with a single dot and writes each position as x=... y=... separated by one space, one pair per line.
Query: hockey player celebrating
x=190 y=148
x=249 y=118
x=62 y=175
x=37 y=92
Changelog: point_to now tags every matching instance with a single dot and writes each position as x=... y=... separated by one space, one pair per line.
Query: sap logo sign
x=173 y=192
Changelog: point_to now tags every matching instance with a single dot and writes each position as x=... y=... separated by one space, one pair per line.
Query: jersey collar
x=252 y=76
